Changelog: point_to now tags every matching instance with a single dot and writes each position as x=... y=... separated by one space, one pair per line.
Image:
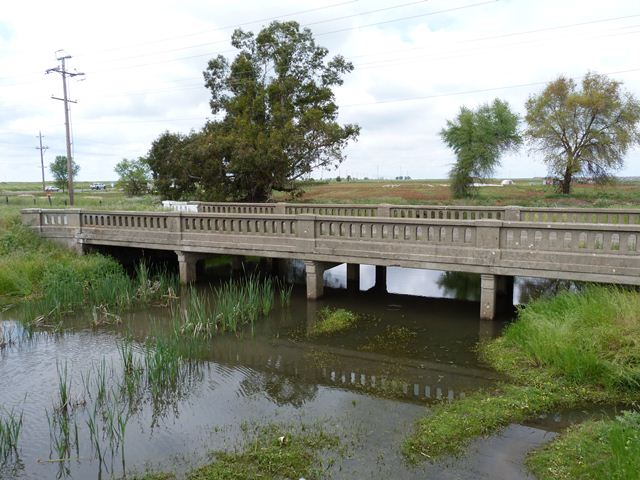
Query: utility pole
x=62 y=71
x=42 y=149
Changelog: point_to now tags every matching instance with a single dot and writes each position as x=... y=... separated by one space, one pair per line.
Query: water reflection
x=439 y=284
x=274 y=371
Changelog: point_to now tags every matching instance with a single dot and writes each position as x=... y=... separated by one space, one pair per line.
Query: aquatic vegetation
x=592 y=451
x=236 y=304
x=284 y=290
x=332 y=321
x=271 y=452
x=100 y=284
x=568 y=351
x=10 y=428
x=394 y=339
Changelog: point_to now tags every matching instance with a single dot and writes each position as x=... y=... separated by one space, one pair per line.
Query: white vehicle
x=50 y=188
x=98 y=186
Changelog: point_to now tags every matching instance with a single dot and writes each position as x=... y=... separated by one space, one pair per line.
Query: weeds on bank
x=592 y=451
x=55 y=281
x=567 y=351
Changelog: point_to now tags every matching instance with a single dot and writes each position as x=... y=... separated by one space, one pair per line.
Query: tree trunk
x=565 y=184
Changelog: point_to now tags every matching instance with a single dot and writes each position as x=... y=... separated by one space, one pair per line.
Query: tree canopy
x=134 y=176
x=276 y=119
x=583 y=131
x=478 y=138
x=189 y=166
x=58 y=169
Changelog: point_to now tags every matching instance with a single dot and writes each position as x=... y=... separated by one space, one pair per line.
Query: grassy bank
x=592 y=451
x=50 y=281
x=568 y=351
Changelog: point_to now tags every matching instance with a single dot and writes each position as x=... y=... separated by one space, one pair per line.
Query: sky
x=416 y=63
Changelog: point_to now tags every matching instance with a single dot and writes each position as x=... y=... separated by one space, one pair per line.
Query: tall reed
x=10 y=428
x=96 y=282
x=235 y=304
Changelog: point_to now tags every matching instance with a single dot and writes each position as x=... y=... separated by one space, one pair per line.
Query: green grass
x=572 y=350
x=331 y=321
x=275 y=453
x=50 y=281
x=589 y=338
x=592 y=451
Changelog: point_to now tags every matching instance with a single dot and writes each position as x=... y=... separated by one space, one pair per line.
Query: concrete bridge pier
x=381 y=278
x=496 y=295
x=236 y=263
x=187 y=265
x=314 y=272
x=353 y=277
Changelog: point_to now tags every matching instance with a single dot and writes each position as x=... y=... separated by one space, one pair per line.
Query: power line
x=466 y=92
x=384 y=63
x=435 y=12
x=219 y=29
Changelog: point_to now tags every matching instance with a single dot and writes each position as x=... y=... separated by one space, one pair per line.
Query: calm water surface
x=367 y=385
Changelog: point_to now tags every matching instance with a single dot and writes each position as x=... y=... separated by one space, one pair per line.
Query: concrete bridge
x=599 y=245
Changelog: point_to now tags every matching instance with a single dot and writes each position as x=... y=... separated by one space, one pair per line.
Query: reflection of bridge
x=353 y=370
x=496 y=242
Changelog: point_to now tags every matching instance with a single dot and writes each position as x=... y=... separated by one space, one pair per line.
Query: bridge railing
x=531 y=236
x=434 y=212
x=578 y=251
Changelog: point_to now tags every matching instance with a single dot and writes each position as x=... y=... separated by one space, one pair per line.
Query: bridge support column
x=187 y=264
x=496 y=295
x=236 y=263
x=381 y=278
x=315 y=282
x=353 y=276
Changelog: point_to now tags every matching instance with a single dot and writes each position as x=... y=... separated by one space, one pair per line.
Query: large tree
x=478 y=138
x=59 y=171
x=583 y=131
x=187 y=167
x=277 y=116
x=134 y=176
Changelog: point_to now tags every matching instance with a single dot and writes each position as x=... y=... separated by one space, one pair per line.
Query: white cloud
x=144 y=63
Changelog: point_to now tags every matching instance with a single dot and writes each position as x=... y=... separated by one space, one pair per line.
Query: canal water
x=369 y=385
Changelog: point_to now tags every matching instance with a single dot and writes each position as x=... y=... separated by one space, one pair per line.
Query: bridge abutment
x=496 y=295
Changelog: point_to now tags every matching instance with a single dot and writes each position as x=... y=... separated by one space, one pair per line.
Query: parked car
x=50 y=188
x=98 y=186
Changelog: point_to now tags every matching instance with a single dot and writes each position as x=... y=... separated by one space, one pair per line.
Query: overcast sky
x=416 y=63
